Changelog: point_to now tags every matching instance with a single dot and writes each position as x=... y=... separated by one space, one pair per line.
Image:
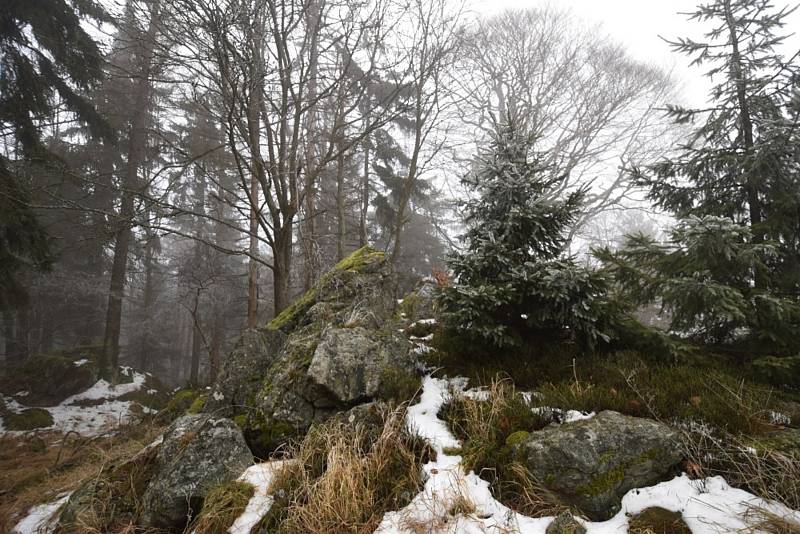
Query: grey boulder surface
x=351 y=363
x=198 y=452
x=592 y=463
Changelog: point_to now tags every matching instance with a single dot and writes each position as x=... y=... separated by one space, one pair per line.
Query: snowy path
x=708 y=506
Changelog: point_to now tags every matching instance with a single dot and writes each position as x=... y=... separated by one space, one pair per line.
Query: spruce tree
x=741 y=162
x=513 y=281
x=730 y=269
x=46 y=60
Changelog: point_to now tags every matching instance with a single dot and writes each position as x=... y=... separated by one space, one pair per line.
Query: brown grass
x=344 y=478
x=221 y=507
x=744 y=463
x=35 y=468
x=488 y=429
x=766 y=522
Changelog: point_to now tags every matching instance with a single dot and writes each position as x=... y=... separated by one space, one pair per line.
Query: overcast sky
x=638 y=24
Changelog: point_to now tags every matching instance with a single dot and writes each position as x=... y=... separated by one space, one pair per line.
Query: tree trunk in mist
x=254 y=140
x=341 y=226
x=362 y=227
x=147 y=306
x=746 y=132
x=308 y=236
x=282 y=268
x=197 y=344
x=12 y=351
x=109 y=359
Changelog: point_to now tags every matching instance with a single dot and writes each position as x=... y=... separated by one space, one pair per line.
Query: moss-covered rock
x=198 y=453
x=49 y=379
x=29 y=419
x=111 y=500
x=592 y=463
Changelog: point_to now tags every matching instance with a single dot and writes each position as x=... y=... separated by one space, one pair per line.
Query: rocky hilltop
x=329 y=419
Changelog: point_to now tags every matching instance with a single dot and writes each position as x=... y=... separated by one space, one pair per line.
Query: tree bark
x=109 y=360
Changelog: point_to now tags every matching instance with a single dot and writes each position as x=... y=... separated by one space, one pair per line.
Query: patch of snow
x=81 y=362
x=780 y=418
x=152 y=391
x=259 y=476
x=429 y=337
x=105 y=390
x=707 y=506
x=422 y=348
x=22 y=393
x=574 y=415
x=107 y=414
x=218 y=396
x=40 y=518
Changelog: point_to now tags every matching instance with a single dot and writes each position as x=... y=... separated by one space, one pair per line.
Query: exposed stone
x=198 y=453
x=592 y=463
x=565 y=523
x=420 y=304
x=350 y=362
x=242 y=372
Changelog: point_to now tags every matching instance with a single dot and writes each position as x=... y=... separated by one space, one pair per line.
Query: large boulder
x=333 y=348
x=592 y=463
x=352 y=363
x=198 y=452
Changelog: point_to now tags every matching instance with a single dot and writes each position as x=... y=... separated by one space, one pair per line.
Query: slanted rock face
x=198 y=452
x=239 y=379
x=592 y=463
x=350 y=363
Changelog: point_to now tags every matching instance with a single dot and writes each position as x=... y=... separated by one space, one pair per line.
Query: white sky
x=638 y=24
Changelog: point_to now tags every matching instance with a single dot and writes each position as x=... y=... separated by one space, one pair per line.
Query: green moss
x=221 y=507
x=517 y=437
x=604 y=482
x=355 y=262
x=359 y=259
x=198 y=404
x=290 y=316
x=408 y=305
x=658 y=521
x=178 y=405
x=240 y=420
x=29 y=419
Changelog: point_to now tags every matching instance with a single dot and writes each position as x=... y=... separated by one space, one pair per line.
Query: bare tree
x=593 y=110
x=435 y=25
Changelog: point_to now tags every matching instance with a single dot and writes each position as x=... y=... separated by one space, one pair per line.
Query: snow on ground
x=40 y=518
x=708 y=506
x=260 y=477
x=107 y=414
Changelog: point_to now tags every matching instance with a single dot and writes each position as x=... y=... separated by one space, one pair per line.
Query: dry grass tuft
x=745 y=463
x=766 y=522
x=346 y=476
x=221 y=507
x=489 y=430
